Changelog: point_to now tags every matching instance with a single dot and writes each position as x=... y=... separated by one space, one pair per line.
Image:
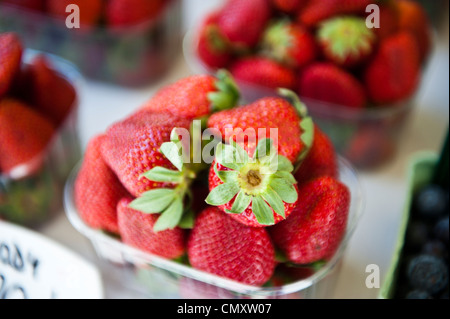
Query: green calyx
x=169 y=202
x=227 y=94
x=277 y=41
x=346 y=37
x=264 y=181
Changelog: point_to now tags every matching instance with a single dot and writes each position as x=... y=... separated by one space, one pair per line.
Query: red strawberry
x=346 y=41
x=97 y=190
x=136 y=229
x=321 y=160
x=393 y=74
x=243 y=22
x=317 y=11
x=329 y=83
x=120 y=13
x=24 y=136
x=10 y=58
x=28 y=4
x=132 y=147
x=289 y=6
x=90 y=10
x=289 y=44
x=263 y=72
x=389 y=20
x=52 y=95
x=195 y=96
x=224 y=247
x=413 y=18
x=317 y=225
x=213 y=48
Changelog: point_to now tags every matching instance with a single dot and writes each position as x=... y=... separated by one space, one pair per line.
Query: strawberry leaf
x=284 y=164
x=227 y=95
x=222 y=194
x=162 y=174
x=172 y=153
x=227 y=176
x=240 y=204
x=262 y=211
x=275 y=201
x=231 y=156
x=188 y=220
x=307 y=137
x=170 y=218
x=285 y=190
x=286 y=176
x=264 y=148
x=154 y=201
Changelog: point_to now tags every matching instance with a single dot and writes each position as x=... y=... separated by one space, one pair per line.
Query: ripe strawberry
x=243 y=22
x=289 y=43
x=346 y=41
x=321 y=160
x=195 y=96
x=263 y=72
x=224 y=247
x=289 y=6
x=24 y=136
x=137 y=230
x=97 y=190
x=213 y=49
x=317 y=225
x=413 y=18
x=131 y=148
x=10 y=58
x=90 y=10
x=50 y=93
x=393 y=74
x=331 y=84
x=389 y=20
x=28 y=4
x=120 y=13
x=317 y=11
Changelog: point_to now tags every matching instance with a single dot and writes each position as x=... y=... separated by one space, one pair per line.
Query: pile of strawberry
x=34 y=102
x=254 y=206
x=322 y=49
x=112 y=13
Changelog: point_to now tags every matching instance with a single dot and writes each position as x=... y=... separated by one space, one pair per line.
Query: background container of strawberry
x=374 y=240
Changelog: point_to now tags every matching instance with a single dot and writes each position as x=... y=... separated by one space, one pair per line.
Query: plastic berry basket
x=420 y=172
x=130 y=56
x=29 y=197
x=156 y=277
x=350 y=130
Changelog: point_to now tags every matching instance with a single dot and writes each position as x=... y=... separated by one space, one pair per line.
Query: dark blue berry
x=435 y=248
x=418 y=294
x=431 y=202
x=427 y=273
x=441 y=230
x=416 y=234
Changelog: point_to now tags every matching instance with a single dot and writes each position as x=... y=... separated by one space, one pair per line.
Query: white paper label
x=34 y=267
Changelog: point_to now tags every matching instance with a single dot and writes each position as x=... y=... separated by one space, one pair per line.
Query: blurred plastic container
x=368 y=138
x=156 y=277
x=29 y=197
x=129 y=56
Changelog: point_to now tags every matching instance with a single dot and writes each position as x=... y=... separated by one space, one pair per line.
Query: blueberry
x=418 y=294
x=427 y=273
x=431 y=202
x=441 y=229
x=416 y=234
x=435 y=248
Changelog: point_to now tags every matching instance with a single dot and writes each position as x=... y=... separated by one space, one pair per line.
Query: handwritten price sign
x=34 y=267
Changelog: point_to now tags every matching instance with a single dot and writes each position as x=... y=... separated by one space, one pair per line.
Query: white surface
x=375 y=237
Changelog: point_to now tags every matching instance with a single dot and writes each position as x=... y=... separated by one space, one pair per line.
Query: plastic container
x=129 y=56
x=156 y=277
x=368 y=138
x=29 y=197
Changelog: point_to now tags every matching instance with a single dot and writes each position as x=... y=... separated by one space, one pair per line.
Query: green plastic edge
x=420 y=172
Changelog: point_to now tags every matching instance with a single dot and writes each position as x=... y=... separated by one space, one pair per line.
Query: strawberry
x=389 y=20
x=321 y=160
x=243 y=22
x=24 y=136
x=90 y=10
x=195 y=96
x=98 y=190
x=256 y=186
x=346 y=41
x=289 y=6
x=263 y=72
x=413 y=18
x=219 y=245
x=317 y=11
x=331 y=84
x=289 y=44
x=137 y=230
x=393 y=74
x=213 y=49
x=122 y=13
x=51 y=94
x=318 y=223
x=28 y=4
x=10 y=58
